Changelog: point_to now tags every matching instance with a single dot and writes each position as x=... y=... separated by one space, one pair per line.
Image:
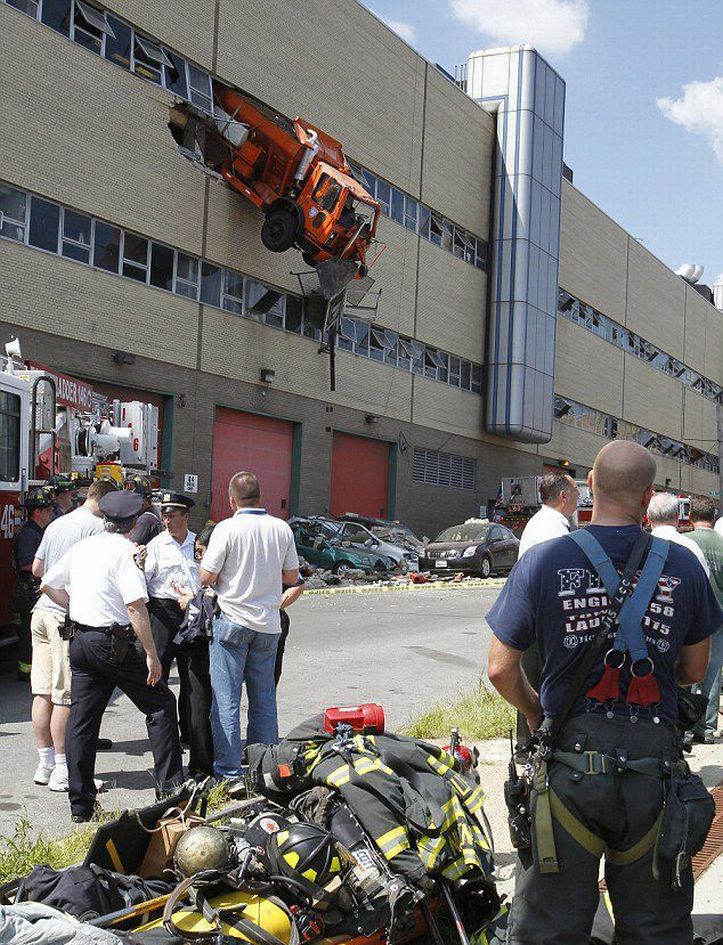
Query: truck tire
x=280 y=229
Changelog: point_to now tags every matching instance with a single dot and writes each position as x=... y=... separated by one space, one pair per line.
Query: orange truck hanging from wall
x=293 y=171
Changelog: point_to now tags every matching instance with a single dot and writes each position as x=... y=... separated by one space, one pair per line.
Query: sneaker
x=43 y=774
x=709 y=738
x=59 y=781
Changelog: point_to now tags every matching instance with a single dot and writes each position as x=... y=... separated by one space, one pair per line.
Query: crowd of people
x=111 y=594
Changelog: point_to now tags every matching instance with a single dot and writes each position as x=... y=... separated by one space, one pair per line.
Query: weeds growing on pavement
x=25 y=849
x=478 y=714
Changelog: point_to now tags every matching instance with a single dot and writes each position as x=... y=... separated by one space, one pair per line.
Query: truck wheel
x=279 y=230
x=485 y=567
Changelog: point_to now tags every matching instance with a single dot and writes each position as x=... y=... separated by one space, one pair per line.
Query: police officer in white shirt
x=171 y=573
x=101 y=584
x=559 y=495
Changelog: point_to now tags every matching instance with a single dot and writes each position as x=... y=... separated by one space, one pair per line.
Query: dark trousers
x=94 y=677
x=194 y=697
x=25 y=640
x=558 y=908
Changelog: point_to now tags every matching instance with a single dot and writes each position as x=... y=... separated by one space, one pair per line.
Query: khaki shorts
x=50 y=674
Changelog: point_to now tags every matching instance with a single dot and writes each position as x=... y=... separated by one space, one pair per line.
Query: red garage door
x=261 y=445
x=359 y=476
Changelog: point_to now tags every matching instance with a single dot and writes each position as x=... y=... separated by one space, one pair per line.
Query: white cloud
x=551 y=26
x=700 y=111
x=405 y=30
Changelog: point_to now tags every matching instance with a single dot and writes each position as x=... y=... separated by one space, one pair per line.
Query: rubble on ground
x=316 y=579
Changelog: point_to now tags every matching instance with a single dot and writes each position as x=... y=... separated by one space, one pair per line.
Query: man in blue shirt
x=554 y=597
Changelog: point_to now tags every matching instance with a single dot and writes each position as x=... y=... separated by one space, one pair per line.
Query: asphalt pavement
x=406 y=649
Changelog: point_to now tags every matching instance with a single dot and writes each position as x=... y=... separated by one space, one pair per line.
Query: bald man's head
x=623 y=476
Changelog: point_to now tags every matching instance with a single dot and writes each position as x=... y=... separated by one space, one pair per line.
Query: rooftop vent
x=689 y=272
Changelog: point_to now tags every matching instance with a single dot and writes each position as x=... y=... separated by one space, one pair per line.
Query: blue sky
x=644 y=118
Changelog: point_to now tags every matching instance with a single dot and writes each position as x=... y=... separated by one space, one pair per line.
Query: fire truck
x=52 y=424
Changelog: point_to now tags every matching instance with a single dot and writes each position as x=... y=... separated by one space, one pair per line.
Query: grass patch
x=24 y=850
x=479 y=714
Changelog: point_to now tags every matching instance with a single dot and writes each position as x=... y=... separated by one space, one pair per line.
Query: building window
x=57 y=15
x=294 y=314
x=149 y=59
x=443 y=469
x=135 y=257
x=76 y=239
x=186 y=275
x=118 y=46
x=201 y=90
x=26 y=6
x=233 y=292
x=162 y=266
x=13 y=213
x=264 y=304
x=44 y=224
x=397 y=206
x=9 y=437
x=90 y=26
x=106 y=246
x=211 y=284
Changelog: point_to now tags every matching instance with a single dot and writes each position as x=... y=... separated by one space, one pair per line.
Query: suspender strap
x=629 y=637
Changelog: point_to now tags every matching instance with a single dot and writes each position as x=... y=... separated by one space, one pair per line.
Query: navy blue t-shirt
x=554 y=596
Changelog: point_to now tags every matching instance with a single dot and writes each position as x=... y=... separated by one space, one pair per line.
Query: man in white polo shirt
x=249 y=556
x=559 y=495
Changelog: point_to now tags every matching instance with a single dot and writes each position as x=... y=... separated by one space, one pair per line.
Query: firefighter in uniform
x=101 y=584
x=39 y=506
x=171 y=573
x=600 y=775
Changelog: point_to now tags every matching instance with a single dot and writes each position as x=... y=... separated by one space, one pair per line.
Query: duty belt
x=85 y=628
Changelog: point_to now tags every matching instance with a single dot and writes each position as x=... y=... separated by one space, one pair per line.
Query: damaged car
x=477 y=547
x=394 y=534
x=321 y=543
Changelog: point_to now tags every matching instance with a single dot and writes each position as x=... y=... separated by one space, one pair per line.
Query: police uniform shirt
x=59 y=537
x=170 y=565
x=101 y=577
x=26 y=544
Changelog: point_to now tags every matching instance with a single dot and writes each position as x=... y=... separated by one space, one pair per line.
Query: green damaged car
x=319 y=543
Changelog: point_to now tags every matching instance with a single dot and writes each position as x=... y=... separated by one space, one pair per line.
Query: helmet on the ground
x=203 y=848
x=307 y=854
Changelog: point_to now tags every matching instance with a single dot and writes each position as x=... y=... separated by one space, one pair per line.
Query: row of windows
x=37 y=222
x=444 y=469
x=595 y=421
x=588 y=317
x=119 y=42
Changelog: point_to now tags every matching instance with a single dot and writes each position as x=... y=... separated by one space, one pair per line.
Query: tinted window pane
x=12 y=205
x=118 y=49
x=383 y=195
x=187 y=276
x=44 y=221
x=9 y=437
x=176 y=78
x=397 y=206
x=294 y=307
x=211 y=282
x=135 y=255
x=106 y=246
x=466 y=375
x=27 y=6
x=162 y=266
x=56 y=14
x=76 y=236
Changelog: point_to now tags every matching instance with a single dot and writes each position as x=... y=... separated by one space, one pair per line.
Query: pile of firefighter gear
x=347 y=833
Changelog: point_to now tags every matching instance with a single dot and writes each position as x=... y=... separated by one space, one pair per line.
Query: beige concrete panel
x=104 y=148
x=52 y=294
x=593 y=254
x=699 y=422
x=652 y=400
x=579 y=446
x=233 y=239
x=588 y=369
x=447 y=408
x=451 y=305
x=714 y=345
x=347 y=73
x=395 y=273
x=655 y=301
x=184 y=25
x=668 y=472
x=696 y=316
x=237 y=348
x=459 y=144
x=698 y=481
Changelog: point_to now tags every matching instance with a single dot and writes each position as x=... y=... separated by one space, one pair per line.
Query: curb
x=431 y=586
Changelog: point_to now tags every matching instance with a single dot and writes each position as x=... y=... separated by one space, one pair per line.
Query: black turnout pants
x=279 y=664
x=94 y=677
x=194 y=697
x=559 y=908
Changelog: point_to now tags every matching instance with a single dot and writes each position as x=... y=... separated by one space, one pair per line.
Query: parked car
x=391 y=532
x=320 y=543
x=359 y=534
x=475 y=547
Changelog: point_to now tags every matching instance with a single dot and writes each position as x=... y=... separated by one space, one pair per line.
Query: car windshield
x=472 y=531
x=395 y=534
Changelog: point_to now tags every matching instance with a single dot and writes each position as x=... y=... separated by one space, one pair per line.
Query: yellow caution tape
x=431 y=586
